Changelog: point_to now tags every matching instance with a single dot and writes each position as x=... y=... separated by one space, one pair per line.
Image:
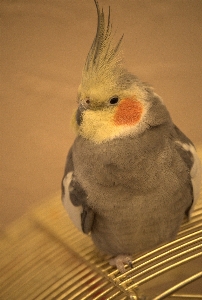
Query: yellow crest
x=103 y=66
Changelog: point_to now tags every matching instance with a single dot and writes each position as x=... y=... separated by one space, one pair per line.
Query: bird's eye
x=114 y=100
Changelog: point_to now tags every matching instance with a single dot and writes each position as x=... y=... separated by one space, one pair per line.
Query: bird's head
x=112 y=102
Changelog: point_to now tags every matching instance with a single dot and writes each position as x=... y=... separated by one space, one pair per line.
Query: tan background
x=44 y=45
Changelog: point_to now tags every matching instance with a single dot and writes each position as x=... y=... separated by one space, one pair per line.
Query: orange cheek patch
x=128 y=112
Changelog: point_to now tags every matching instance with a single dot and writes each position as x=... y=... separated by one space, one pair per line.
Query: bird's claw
x=121 y=260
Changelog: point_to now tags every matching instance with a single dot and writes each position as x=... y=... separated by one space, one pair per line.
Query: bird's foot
x=120 y=260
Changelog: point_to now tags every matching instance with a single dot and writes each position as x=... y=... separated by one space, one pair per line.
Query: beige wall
x=44 y=45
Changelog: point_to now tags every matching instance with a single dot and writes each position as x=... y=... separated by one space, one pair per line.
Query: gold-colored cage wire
x=43 y=256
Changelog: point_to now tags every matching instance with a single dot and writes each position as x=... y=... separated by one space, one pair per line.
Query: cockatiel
x=131 y=175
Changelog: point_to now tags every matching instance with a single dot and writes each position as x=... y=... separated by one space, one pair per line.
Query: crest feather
x=103 y=64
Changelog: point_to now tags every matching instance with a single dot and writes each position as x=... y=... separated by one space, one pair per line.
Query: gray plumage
x=139 y=188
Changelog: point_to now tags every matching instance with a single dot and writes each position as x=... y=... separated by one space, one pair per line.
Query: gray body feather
x=139 y=188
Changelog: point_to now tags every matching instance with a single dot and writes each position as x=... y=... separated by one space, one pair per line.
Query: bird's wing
x=188 y=153
x=74 y=199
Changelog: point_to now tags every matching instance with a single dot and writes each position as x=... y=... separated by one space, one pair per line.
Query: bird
x=132 y=177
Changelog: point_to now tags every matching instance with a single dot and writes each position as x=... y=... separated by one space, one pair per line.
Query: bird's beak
x=83 y=105
x=79 y=114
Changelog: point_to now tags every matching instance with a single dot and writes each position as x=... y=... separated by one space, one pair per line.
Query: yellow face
x=104 y=117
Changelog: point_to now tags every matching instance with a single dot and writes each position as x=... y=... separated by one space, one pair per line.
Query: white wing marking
x=195 y=172
x=74 y=212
